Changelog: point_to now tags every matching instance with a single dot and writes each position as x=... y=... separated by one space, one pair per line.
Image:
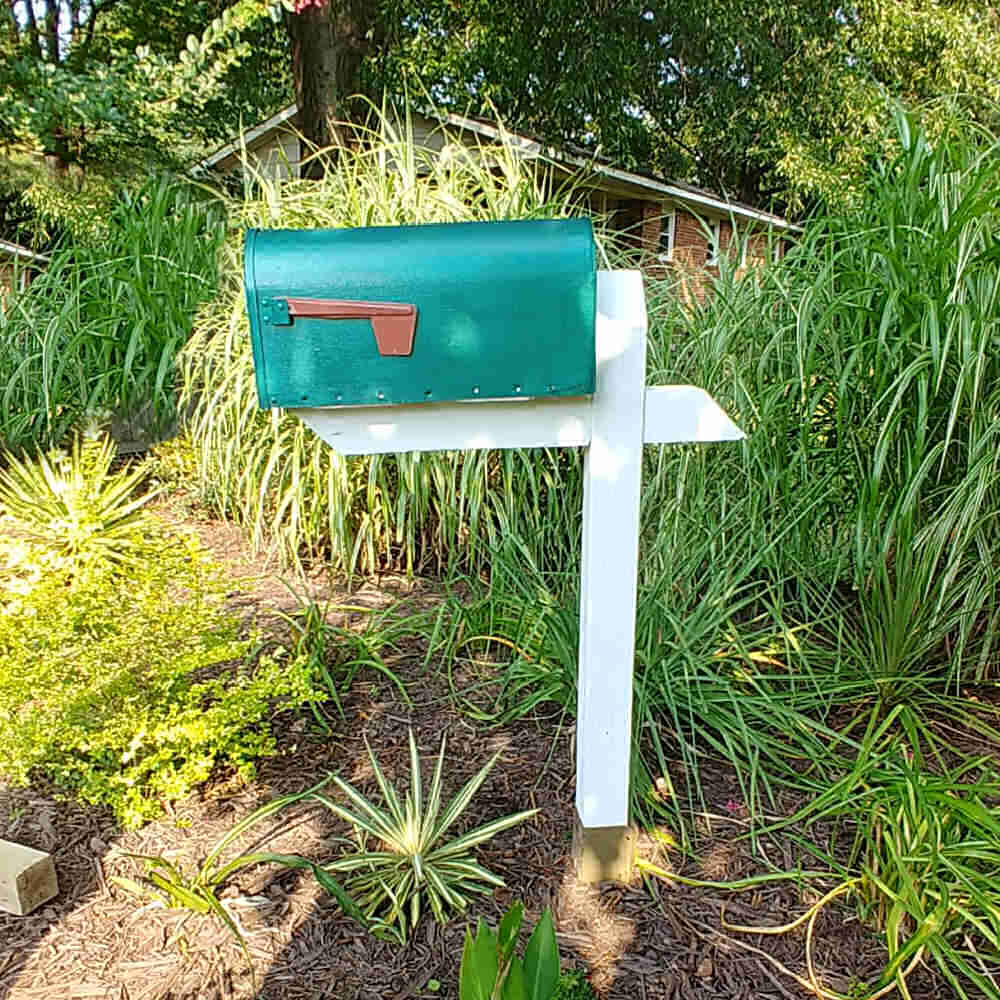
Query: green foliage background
x=762 y=102
x=98 y=331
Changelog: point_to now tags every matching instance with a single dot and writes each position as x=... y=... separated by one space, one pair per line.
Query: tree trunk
x=330 y=39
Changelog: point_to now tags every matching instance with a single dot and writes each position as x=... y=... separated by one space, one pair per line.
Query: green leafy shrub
x=126 y=688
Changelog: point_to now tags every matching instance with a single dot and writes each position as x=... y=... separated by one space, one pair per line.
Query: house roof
x=22 y=253
x=530 y=146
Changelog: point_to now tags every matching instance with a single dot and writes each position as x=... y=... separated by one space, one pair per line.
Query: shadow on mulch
x=95 y=941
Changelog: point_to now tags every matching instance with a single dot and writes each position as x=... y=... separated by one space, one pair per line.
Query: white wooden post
x=613 y=424
x=611 y=485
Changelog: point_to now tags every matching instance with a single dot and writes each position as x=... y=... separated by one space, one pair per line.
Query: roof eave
x=249 y=137
x=23 y=253
x=533 y=148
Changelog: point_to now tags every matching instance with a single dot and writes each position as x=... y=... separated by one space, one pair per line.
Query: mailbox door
x=409 y=314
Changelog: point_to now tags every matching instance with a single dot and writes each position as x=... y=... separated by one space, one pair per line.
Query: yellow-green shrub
x=127 y=687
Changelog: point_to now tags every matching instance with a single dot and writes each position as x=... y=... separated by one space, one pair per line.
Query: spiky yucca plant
x=72 y=504
x=413 y=863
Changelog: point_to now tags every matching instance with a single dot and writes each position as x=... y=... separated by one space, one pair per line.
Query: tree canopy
x=753 y=98
x=99 y=81
x=759 y=100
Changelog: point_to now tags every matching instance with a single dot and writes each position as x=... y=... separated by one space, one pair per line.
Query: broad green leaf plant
x=491 y=971
x=411 y=865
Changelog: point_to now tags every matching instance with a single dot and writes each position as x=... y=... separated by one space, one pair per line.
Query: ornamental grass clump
x=294 y=494
x=922 y=862
x=403 y=863
x=843 y=554
x=99 y=328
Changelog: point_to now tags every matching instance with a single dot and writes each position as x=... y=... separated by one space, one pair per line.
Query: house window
x=714 y=243
x=668 y=231
x=625 y=219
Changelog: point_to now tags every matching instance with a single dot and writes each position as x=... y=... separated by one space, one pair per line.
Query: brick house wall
x=689 y=258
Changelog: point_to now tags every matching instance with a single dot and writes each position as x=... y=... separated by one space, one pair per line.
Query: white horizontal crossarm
x=521 y=423
x=676 y=414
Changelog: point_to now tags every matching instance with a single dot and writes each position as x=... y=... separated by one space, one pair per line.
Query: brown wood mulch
x=97 y=941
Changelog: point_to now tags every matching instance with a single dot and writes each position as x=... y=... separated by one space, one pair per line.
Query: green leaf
x=332 y=886
x=238 y=829
x=179 y=896
x=541 y=960
x=510 y=927
x=478 y=971
x=515 y=986
x=464 y=796
x=223 y=914
x=130 y=885
x=484 y=832
x=434 y=799
x=416 y=795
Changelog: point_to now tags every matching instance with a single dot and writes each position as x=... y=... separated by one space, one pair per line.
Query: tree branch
x=75 y=19
x=51 y=29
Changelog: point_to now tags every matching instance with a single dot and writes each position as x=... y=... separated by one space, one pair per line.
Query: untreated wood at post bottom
x=603 y=853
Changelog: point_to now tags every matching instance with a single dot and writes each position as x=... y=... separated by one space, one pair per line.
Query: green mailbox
x=413 y=314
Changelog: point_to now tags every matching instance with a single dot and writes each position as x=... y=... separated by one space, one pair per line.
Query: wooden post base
x=27 y=878
x=603 y=853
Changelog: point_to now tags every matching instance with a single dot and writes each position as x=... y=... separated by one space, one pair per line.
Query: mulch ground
x=95 y=940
